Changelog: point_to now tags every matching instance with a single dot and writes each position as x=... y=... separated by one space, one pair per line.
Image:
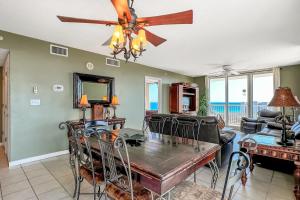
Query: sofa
x=275 y=129
x=204 y=128
x=250 y=125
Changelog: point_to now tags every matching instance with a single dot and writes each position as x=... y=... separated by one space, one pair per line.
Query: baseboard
x=37 y=158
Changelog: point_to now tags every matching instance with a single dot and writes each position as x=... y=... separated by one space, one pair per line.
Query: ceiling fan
x=128 y=23
x=225 y=70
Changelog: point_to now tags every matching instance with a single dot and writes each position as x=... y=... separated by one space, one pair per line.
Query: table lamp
x=284 y=97
x=114 y=103
x=83 y=105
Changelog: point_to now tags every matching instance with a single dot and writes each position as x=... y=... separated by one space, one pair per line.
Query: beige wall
x=34 y=129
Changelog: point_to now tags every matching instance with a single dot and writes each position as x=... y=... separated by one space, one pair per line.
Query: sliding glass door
x=217 y=103
x=237 y=99
x=234 y=97
x=263 y=89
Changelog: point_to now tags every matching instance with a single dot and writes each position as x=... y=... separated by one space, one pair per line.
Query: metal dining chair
x=73 y=147
x=117 y=171
x=88 y=166
x=156 y=124
x=187 y=190
x=248 y=146
x=188 y=129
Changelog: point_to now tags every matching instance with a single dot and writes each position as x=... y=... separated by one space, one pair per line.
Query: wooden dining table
x=161 y=164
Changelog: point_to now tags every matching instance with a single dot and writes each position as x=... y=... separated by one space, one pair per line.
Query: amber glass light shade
x=136 y=44
x=283 y=97
x=118 y=37
x=84 y=101
x=142 y=37
x=115 y=101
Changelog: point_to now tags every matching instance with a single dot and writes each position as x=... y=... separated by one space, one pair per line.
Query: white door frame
x=154 y=79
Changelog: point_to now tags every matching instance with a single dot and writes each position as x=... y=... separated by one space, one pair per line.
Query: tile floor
x=52 y=179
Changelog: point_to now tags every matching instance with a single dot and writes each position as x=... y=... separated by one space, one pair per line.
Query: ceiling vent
x=112 y=62
x=59 y=50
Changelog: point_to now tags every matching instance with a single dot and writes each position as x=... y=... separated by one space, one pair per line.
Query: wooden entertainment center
x=184 y=98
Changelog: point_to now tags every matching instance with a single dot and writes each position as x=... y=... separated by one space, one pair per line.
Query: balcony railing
x=235 y=111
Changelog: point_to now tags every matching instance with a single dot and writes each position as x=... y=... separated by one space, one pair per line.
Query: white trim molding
x=37 y=158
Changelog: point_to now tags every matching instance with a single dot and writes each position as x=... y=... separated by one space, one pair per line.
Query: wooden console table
x=267 y=146
x=115 y=122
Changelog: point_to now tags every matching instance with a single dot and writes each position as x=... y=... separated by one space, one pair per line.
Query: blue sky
x=153 y=92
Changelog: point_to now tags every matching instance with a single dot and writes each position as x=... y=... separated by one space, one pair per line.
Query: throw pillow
x=221 y=122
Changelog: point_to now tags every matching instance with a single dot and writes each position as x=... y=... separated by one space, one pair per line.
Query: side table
x=267 y=146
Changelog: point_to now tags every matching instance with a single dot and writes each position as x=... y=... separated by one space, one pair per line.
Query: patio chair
x=187 y=190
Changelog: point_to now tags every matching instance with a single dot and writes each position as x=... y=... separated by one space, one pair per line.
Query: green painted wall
x=34 y=129
x=201 y=83
x=290 y=77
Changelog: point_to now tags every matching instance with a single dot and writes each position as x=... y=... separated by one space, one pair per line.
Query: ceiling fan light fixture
x=135 y=44
x=142 y=37
x=117 y=38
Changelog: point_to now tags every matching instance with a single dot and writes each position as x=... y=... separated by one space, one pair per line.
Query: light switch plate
x=35 y=102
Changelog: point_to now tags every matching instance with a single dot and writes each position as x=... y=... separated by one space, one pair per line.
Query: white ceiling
x=247 y=34
x=3 y=54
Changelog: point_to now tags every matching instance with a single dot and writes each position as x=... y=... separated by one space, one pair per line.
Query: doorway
x=153 y=95
x=5 y=108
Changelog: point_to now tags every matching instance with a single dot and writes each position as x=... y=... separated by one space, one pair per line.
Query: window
x=152 y=94
x=263 y=90
x=230 y=96
x=217 y=97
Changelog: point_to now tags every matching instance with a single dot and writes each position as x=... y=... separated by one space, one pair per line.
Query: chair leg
x=75 y=188
x=195 y=177
x=215 y=173
x=95 y=193
x=78 y=188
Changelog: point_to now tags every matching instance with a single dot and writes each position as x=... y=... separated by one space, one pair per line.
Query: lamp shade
x=84 y=100
x=115 y=100
x=283 y=97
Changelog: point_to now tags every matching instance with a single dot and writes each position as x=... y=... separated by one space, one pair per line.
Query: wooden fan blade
x=185 y=17
x=152 y=38
x=107 y=42
x=88 y=21
x=122 y=9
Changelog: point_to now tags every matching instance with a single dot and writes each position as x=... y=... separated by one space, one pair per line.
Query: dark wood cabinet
x=184 y=98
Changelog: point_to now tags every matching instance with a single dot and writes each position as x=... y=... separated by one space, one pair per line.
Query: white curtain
x=276 y=73
x=276 y=79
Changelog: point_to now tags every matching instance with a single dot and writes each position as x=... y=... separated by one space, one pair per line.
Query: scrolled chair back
x=156 y=123
x=238 y=162
x=116 y=162
x=72 y=127
x=85 y=156
x=248 y=145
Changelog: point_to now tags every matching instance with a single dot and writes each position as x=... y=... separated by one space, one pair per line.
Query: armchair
x=250 y=125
